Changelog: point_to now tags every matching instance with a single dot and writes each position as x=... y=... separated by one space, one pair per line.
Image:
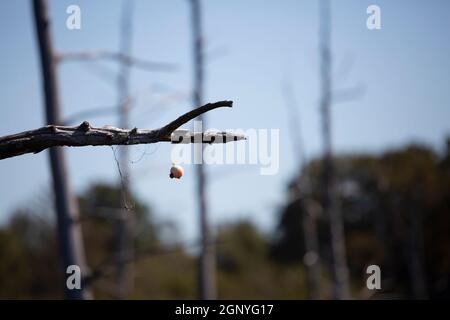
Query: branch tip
x=168 y=129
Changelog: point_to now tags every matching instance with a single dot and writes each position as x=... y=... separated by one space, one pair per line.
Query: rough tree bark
x=69 y=229
x=34 y=141
x=207 y=281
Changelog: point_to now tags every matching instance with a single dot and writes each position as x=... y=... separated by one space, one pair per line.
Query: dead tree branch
x=34 y=141
x=115 y=56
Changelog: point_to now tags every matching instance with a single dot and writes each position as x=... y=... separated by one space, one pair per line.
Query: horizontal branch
x=110 y=55
x=34 y=141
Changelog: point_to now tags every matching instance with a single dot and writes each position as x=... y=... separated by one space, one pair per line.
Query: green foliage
x=246 y=270
x=396 y=209
x=28 y=254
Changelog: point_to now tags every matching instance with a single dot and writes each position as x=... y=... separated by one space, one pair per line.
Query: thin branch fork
x=34 y=141
x=111 y=55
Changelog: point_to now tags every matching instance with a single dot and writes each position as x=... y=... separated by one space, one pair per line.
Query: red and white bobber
x=176 y=171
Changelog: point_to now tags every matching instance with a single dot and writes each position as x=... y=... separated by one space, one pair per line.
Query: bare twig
x=34 y=141
x=117 y=56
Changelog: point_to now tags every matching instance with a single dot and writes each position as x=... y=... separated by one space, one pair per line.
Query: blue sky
x=253 y=46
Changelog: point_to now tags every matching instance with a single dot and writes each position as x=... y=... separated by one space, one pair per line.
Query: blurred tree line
x=396 y=209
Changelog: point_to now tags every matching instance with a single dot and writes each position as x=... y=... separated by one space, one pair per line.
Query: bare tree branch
x=35 y=141
x=169 y=128
x=110 y=55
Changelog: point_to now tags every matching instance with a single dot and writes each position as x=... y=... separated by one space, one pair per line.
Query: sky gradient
x=252 y=46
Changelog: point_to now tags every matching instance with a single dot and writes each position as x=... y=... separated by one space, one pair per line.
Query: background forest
x=382 y=197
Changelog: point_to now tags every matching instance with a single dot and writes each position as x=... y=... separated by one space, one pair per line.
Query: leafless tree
x=331 y=204
x=207 y=281
x=416 y=248
x=125 y=224
x=126 y=62
x=309 y=208
x=69 y=229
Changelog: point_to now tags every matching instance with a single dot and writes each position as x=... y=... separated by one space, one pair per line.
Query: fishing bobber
x=176 y=172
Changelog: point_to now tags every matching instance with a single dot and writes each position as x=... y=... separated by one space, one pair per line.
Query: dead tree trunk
x=309 y=209
x=124 y=224
x=207 y=281
x=331 y=201
x=416 y=249
x=69 y=229
x=312 y=256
